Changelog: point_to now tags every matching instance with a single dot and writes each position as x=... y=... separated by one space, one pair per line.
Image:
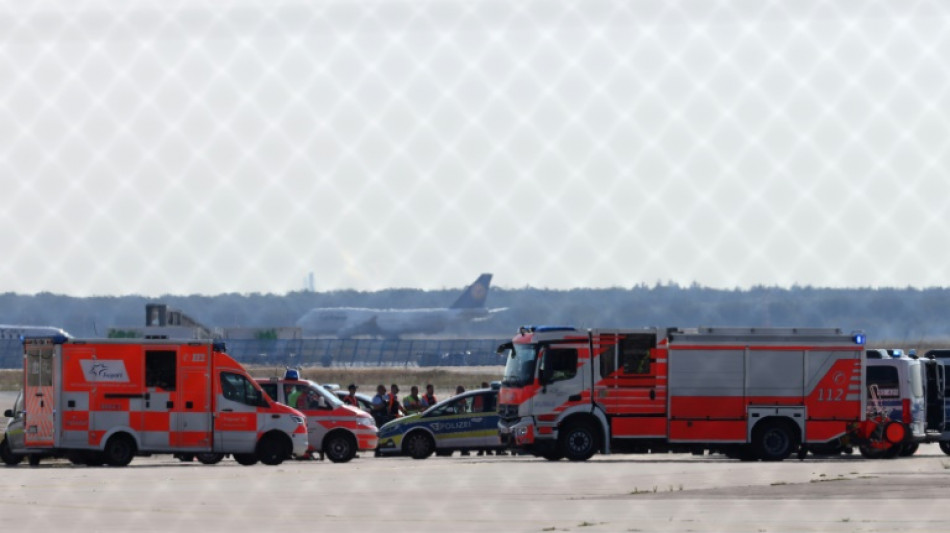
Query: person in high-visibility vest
x=413 y=403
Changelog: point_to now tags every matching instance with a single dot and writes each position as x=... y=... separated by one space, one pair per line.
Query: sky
x=159 y=148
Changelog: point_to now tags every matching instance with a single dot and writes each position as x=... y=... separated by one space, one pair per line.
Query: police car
x=468 y=421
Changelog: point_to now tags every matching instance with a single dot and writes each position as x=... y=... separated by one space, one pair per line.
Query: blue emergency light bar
x=292 y=373
x=859 y=338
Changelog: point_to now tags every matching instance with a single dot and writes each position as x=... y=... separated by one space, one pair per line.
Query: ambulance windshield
x=519 y=370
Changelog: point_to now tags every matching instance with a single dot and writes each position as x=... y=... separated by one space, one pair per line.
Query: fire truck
x=749 y=393
x=103 y=401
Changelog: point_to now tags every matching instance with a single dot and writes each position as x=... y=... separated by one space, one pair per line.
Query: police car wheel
x=418 y=445
x=339 y=447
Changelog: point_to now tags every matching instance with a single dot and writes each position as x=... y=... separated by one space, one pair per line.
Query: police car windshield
x=519 y=370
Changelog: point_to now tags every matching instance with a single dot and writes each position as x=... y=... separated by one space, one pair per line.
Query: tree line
x=895 y=314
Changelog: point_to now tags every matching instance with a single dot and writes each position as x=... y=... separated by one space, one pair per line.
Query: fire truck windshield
x=519 y=370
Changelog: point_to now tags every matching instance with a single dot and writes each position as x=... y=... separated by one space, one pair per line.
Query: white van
x=895 y=384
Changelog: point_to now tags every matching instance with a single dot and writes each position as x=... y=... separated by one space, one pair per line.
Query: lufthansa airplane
x=349 y=321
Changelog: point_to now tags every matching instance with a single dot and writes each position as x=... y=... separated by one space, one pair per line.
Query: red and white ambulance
x=104 y=401
x=337 y=430
x=748 y=392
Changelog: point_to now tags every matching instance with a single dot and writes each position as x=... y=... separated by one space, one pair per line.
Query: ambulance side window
x=237 y=388
x=160 y=369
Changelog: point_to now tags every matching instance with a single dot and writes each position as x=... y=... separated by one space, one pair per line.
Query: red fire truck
x=748 y=393
x=104 y=401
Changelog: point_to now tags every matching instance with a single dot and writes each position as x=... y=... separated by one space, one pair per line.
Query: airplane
x=347 y=322
x=19 y=332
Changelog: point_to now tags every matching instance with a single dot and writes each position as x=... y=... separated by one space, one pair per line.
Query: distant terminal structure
x=164 y=322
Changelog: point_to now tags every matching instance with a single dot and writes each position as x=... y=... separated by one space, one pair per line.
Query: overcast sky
x=206 y=147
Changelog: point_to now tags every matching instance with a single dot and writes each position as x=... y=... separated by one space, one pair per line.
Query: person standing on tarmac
x=394 y=408
x=350 y=399
x=413 y=403
x=428 y=399
x=381 y=406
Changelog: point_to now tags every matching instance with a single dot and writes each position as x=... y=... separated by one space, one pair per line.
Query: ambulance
x=750 y=393
x=336 y=430
x=104 y=401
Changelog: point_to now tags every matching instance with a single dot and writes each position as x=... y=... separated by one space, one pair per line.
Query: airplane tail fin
x=474 y=296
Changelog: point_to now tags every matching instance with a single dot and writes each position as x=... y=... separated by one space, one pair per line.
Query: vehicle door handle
x=227 y=410
x=652 y=394
x=479 y=419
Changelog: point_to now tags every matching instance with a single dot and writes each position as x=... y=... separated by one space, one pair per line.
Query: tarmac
x=682 y=493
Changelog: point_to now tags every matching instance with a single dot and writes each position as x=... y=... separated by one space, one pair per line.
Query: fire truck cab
x=752 y=393
x=103 y=401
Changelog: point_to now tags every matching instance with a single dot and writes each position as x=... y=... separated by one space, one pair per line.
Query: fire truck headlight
x=521 y=432
x=299 y=420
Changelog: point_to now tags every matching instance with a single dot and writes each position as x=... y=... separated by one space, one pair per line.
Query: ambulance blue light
x=859 y=338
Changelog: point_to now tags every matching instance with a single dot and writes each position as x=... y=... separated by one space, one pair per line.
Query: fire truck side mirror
x=8 y=413
x=503 y=348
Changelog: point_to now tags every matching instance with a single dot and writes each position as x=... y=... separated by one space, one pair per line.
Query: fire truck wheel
x=10 y=459
x=773 y=440
x=552 y=455
x=340 y=447
x=578 y=442
x=119 y=450
x=945 y=446
x=35 y=460
x=209 y=458
x=246 y=459
x=909 y=449
x=273 y=449
x=418 y=445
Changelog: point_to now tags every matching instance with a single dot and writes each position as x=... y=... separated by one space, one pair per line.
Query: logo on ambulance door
x=104 y=371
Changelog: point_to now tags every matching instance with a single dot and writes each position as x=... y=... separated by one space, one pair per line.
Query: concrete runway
x=456 y=494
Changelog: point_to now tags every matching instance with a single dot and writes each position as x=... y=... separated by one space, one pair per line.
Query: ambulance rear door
x=39 y=395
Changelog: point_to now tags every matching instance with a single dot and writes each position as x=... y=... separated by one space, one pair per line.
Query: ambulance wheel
x=339 y=447
x=945 y=446
x=35 y=460
x=418 y=445
x=10 y=459
x=209 y=458
x=273 y=449
x=119 y=450
x=246 y=459
x=774 y=440
x=578 y=442
x=909 y=449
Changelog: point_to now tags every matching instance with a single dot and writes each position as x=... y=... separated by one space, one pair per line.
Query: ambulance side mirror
x=8 y=413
